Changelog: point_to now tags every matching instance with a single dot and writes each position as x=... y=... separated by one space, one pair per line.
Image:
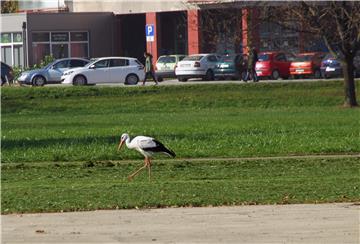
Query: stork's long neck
x=128 y=144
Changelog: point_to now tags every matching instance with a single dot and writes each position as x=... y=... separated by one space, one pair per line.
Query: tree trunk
x=349 y=83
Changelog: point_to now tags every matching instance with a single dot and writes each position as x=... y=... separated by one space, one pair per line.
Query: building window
x=12 y=49
x=275 y=38
x=60 y=44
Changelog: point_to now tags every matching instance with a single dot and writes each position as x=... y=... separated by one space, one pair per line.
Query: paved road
x=321 y=223
x=170 y=82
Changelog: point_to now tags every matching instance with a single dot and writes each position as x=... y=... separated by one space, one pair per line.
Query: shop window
x=17 y=37
x=59 y=36
x=60 y=51
x=79 y=36
x=79 y=50
x=6 y=38
x=11 y=49
x=40 y=37
x=60 y=44
x=6 y=55
x=18 y=55
x=40 y=50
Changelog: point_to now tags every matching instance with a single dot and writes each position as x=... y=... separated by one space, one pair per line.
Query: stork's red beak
x=120 y=144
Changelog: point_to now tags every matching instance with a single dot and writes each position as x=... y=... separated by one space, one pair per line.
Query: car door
x=98 y=72
x=211 y=62
x=55 y=72
x=282 y=64
x=118 y=70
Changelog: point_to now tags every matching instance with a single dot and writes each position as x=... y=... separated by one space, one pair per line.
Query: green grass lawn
x=58 y=146
x=83 y=123
x=103 y=185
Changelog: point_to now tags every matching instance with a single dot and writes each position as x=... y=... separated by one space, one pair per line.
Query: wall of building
x=100 y=27
x=12 y=22
x=12 y=42
x=126 y=6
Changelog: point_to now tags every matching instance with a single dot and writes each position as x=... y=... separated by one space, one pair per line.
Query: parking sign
x=149 y=31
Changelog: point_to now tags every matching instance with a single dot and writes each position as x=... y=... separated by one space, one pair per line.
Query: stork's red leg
x=137 y=171
x=149 y=167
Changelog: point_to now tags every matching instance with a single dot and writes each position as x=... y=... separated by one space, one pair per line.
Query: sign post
x=150 y=32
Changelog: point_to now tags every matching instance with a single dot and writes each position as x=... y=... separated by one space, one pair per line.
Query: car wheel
x=209 y=76
x=79 y=80
x=131 y=79
x=160 y=79
x=275 y=75
x=317 y=74
x=38 y=81
x=182 y=79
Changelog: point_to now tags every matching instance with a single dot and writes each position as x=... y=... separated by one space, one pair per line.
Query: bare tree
x=336 y=22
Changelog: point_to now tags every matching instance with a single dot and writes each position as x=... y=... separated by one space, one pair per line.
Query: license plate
x=258 y=72
x=300 y=70
x=185 y=65
x=224 y=66
x=330 y=69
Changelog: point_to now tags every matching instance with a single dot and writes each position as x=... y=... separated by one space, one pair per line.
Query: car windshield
x=93 y=60
x=227 y=58
x=264 y=57
x=303 y=58
x=167 y=59
x=193 y=58
x=49 y=65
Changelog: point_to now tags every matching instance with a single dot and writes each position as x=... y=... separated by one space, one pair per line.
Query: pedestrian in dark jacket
x=149 y=69
x=253 y=58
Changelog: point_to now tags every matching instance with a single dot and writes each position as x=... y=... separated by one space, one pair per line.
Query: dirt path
x=303 y=223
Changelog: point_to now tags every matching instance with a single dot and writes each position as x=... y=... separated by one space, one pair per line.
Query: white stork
x=147 y=146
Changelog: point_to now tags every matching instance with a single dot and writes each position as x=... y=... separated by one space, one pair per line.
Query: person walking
x=149 y=69
x=253 y=58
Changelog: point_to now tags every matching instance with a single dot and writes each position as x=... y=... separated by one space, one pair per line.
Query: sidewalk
x=303 y=223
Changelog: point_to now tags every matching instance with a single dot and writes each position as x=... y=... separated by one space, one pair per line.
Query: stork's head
x=124 y=137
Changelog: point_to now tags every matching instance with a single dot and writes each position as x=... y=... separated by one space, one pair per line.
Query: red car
x=307 y=64
x=273 y=65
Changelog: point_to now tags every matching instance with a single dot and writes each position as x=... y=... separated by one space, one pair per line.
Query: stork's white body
x=139 y=143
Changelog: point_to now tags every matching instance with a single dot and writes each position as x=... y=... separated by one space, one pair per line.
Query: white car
x=106 y=70
x=197 y=66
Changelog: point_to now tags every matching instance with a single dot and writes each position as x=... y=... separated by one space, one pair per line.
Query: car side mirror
x=92 y=66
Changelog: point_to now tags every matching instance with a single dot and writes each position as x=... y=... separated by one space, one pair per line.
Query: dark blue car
x=331 y=67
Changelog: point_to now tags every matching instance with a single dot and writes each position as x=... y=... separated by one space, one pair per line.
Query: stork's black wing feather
x=160 y=148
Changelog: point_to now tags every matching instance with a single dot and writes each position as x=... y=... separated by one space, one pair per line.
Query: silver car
x=52 y=72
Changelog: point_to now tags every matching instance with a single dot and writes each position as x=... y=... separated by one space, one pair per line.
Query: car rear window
x=303 y=58
x=264 y=57
x=193 y=58
x=167 y=60
x=227 y=58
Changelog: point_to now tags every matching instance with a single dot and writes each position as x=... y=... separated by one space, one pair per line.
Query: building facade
x=117 y=28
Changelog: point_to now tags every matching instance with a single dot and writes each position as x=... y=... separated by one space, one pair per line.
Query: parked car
x=7 y=74
x=165 y=66
x=197 y=66
x=273 y=65
x=307 y=64
x=52 y=72
x=331 y=67
x=106 y=70
x=232 y=66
